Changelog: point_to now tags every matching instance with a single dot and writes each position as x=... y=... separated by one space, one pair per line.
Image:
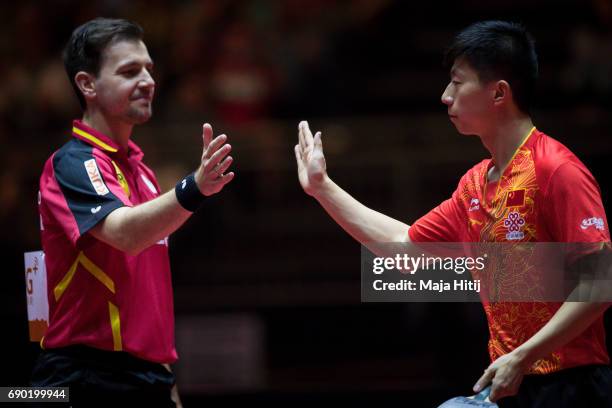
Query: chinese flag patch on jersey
x=516 y=198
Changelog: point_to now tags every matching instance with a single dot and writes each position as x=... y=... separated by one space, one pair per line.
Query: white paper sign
x=36 y=294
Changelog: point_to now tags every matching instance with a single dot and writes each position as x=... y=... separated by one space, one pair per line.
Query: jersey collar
x=526 y=143
x=100 y=140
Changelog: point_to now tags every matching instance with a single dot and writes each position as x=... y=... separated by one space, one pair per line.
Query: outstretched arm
x=132 y=229
x=362 y=223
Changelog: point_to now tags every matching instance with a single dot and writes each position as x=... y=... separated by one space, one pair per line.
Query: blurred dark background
x=267 y=290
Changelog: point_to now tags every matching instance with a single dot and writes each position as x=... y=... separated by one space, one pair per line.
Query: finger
x=298 y=158
x=502 y=389
x=498 y=390
x=224 y=165
x=298 y=153
x=484 y=380
x=318 y=144
x=224 y=179
x=214 y=145
x=217 y=157
x=307 y=133
x=207 y=134
x=301 y=140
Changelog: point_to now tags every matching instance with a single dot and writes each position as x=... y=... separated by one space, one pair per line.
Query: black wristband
x=188 y=194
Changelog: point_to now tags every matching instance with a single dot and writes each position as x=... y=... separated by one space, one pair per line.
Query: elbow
x=127 y=245
x=403 y=237
x=118 y=231
x=132 y=249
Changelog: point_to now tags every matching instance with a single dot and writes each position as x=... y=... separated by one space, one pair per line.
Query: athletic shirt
x=100 y=296
x=545 y=194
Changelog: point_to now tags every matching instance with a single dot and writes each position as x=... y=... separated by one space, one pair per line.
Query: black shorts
x=578 y=387
x=99 y=378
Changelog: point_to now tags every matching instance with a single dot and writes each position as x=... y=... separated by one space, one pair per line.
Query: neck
x=504 y=139
x=118 y=131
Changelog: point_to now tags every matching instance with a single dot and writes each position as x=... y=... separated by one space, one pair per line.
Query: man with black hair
x=105 y=226
x=533 y=189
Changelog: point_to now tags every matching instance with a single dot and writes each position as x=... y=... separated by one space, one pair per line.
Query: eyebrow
x=455 y=71
x=135 y=63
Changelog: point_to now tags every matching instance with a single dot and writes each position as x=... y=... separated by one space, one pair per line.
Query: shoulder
x=553 y=160
x=77 y=155
x=77 y=166
x=549 y=154
x=65 y=159
x=474 y=175
x=556 y=164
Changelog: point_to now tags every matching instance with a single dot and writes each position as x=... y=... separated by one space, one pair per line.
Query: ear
x=86 y=83
x=502 y=92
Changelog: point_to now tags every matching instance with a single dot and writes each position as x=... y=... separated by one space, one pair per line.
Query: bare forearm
x=367 y=226
x=132 y=229
x=571 y=319
x=362 y=223
x=506 y=373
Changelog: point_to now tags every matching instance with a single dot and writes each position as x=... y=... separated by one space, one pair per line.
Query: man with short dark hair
x=105 y=226
x=533 y=189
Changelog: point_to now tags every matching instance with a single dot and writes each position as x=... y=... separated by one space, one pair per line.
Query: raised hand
x=312 y=170
x=215 y=161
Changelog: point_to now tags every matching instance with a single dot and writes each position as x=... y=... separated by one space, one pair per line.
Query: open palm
x=310 y=159
x=214 y=162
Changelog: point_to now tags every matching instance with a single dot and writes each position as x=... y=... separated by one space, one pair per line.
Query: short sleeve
x=575 y=212
x=442 y=224
x=82 y=192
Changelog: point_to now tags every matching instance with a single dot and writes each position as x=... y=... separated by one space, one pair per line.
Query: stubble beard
x=140 y=115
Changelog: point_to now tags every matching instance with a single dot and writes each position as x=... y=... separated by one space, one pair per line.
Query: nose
x=447 y=98
x=146 y=81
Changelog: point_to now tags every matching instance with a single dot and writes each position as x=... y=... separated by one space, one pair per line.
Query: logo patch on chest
x=474 y=205
x=515 y=198
x=514 y=223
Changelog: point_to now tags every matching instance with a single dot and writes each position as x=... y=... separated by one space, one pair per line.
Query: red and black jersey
x=100 y=296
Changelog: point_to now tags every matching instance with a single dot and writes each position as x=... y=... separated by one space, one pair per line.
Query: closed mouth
x=143 y=98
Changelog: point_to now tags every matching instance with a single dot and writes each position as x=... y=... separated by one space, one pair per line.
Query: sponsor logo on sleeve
x=596 y=222
x=95 y=177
